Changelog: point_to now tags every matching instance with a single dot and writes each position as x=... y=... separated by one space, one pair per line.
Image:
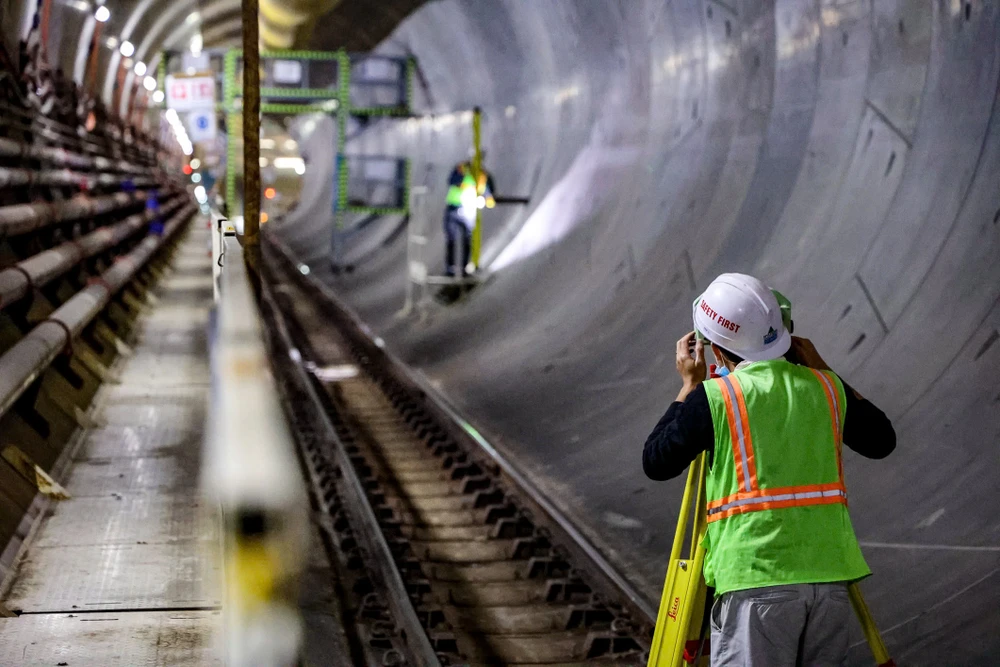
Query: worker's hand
x=690 y=363
x=804 y=353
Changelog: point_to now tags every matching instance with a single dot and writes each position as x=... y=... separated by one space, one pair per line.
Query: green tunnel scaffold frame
x=312 y=100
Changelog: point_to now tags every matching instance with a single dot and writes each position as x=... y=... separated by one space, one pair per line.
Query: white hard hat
x=740 y=314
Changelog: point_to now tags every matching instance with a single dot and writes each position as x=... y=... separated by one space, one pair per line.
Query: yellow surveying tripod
x=681 y=636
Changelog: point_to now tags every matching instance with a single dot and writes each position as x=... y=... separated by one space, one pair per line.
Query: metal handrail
x=17 y=281
x=23 y=363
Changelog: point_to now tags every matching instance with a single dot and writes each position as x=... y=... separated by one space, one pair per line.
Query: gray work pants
x=804 y=625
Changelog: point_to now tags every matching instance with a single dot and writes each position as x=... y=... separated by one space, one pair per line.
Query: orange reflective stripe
x=734 y=436
x=833 y=402
x=745 y=420
x=832 y=498
x=780 y=491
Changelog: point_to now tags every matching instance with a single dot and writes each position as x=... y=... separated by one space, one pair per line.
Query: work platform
x=127 y=572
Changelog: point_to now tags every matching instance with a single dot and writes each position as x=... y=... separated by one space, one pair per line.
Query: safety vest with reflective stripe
x=776 y=502
x=454 y=197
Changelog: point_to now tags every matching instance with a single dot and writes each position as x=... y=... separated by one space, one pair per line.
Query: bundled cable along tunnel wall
x=85 y=217
x=848 y=153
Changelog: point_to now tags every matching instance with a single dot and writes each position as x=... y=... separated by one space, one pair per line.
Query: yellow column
x=477 y=166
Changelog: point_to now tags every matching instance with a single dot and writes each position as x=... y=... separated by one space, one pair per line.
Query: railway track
x=487 y=577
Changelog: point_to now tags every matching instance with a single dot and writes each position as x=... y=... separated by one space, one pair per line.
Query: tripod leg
x=872 y=635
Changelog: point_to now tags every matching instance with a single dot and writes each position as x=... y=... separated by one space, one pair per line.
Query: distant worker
x=466 y=196
x=780 y=548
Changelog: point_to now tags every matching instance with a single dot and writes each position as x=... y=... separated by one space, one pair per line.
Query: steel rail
x=17 y=281
x=63 y=158
x=579 y=541
x=364 y=522
x=23 y=363
x=25 y=218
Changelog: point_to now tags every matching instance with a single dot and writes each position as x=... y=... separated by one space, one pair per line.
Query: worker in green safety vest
x=780 y=547
x=466 y=195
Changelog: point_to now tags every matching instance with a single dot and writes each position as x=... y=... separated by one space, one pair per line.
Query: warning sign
x=187 y=93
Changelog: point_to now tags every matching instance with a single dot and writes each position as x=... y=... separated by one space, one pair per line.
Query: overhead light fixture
x=102 y=14
x=127 y=48
x=140 y=68
x=263 y=162
x=267 y=144
x=149 y=83
x=290 y=145
x=158 y=96
x=197 y=44
x=195 y=163
x=196 y=177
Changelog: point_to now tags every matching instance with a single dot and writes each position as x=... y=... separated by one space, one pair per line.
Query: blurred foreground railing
x=252 y=472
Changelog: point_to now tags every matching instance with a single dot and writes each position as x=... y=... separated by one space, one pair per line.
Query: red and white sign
x=192 y=92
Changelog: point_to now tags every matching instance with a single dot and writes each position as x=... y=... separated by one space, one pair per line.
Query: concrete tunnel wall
x=848 y=153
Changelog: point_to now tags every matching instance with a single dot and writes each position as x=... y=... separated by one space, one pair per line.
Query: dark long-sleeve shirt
x=686 y=430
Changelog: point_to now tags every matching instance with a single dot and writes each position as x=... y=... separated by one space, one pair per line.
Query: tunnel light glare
x=127 y=48
x=300 y=169
x=567 y=93
x=192 y=18
x=195 y=163
x=102 y=14
x=78 y=5
x=334 y=373
x=200 y=194
x=379 y=343
x=149 y=83
x=290 y=163
x=263 y=162
x=111 y=42
x=267 y=144
x=196 y=178
x=140 y=68
x=158 y=96
x=197 y=44
x=304 y=269
x=291 y=145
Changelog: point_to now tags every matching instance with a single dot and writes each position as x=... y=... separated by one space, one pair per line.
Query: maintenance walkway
x=127 y=572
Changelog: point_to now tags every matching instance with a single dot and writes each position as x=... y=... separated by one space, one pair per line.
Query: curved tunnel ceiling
x=846 y=152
